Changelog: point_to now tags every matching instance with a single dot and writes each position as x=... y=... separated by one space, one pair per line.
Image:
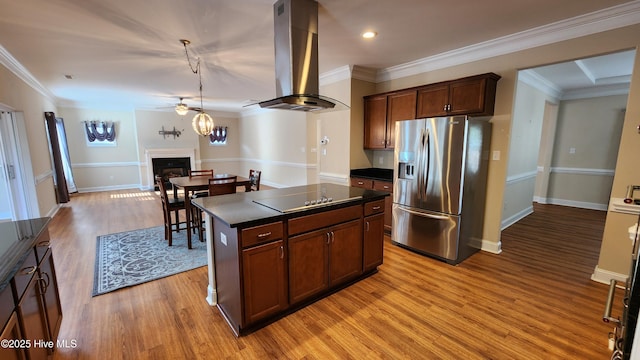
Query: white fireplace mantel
x=151 y=154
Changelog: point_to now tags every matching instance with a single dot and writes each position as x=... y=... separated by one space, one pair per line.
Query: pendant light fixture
x=202 y=123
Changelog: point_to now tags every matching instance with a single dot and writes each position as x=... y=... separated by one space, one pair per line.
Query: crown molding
x=607 y=19
x=21 y=72
x=533 y=79
x=348 y=72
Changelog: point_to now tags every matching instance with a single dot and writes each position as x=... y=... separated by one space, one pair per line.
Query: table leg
x=187 y=207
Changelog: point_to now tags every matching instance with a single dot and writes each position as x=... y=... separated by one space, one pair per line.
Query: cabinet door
x=308 y=264
x=467 y=96
x=373 y=241
x=49 y=288
x=388 y=201
x=375 y=122
x=32 y=319
x=433 y=101
x=345 y=255
x=11 y=331
x=264 y=281
x=400 y=106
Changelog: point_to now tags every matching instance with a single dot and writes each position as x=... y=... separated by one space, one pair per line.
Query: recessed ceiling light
x=369 y=34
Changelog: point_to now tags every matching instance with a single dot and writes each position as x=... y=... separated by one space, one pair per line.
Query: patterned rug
x=135 y=257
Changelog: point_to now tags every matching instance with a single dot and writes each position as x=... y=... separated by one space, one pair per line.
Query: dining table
x=192 y=184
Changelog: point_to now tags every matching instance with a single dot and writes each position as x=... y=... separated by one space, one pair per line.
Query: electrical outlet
x=380 y=160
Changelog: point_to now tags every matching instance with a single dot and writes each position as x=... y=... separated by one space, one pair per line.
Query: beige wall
x=102 y=167
x=18 y=96
x=276 y=142
x=524 y=146
x=615 y=253
x=592 y=128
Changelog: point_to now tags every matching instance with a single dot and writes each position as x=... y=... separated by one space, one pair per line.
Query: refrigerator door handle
x=420 y=164
x=426 y=153
x=419 y=213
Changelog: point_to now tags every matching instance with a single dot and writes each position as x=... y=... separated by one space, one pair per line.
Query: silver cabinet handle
x=328 y=238
x=281 y=252
x=367 y=226
x=333 y=237
x=376 y=208
x=264 y=235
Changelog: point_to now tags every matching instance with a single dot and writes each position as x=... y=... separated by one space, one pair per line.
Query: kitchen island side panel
x=228 y=267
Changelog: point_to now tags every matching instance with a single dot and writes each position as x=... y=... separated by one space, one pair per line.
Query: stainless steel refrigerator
x=439 y=185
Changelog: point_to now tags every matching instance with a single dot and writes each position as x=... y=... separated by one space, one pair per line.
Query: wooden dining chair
x=223 y=185
x=171 y=205
x=194 y=173
x=254 y=177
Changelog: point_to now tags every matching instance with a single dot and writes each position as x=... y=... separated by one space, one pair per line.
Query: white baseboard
x=492 y=247
x=516 y=217
x=111 y=188
x=572 y=203
x=605 y=276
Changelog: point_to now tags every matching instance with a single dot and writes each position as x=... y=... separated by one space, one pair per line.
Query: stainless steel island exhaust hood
x=296 y=51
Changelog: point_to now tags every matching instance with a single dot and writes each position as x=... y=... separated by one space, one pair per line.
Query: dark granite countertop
x=373 y=173
x=17 y=239
x=239 y=210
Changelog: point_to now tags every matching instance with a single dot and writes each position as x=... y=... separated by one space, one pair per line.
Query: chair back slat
x=207 y=173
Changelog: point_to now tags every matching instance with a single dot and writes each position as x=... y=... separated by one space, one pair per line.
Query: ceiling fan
x=182 y=108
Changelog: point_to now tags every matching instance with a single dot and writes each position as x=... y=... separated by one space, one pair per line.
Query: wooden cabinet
x=381 y=186
x=381 y=113
x=474 y=95
x=373 y=239
x=375 y=122
x=32 y=317
x=468 y=96
x=264 y=280
x=12 y=333
x=50 y=294
x=324 y=258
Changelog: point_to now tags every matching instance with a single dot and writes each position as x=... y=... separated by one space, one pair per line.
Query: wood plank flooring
x=533 y=301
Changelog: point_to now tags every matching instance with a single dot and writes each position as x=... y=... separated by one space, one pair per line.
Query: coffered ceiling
x=126 y=54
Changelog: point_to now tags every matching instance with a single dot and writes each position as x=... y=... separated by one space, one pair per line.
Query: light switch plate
x=223 y=239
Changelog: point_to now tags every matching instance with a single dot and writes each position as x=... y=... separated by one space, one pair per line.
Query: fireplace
x=177 y=161
x=170 y=167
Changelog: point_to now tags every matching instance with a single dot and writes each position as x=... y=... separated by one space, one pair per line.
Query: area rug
x=135 y=257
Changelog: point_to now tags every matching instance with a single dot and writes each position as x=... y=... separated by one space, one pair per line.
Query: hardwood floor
x=533 y=301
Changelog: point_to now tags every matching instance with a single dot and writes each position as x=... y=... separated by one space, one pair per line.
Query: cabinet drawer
x=362 y=183
x=373 y=207
x=260 y=234
x=383 y=186
x=316 y=221
x=26 y=271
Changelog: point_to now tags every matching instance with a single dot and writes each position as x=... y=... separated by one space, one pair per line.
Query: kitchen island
x=272 y=252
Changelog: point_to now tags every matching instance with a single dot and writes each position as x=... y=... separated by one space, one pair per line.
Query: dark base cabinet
x=267 y=271
x=30 y=306
x=12 y=332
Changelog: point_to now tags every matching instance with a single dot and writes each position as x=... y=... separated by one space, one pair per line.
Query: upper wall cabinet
x=381 y=113
x=474 y=95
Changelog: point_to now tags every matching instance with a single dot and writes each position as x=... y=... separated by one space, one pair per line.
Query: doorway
x=561 y=112
x=18 y=200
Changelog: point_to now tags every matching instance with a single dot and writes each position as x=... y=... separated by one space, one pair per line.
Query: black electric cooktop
x=324 y=196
